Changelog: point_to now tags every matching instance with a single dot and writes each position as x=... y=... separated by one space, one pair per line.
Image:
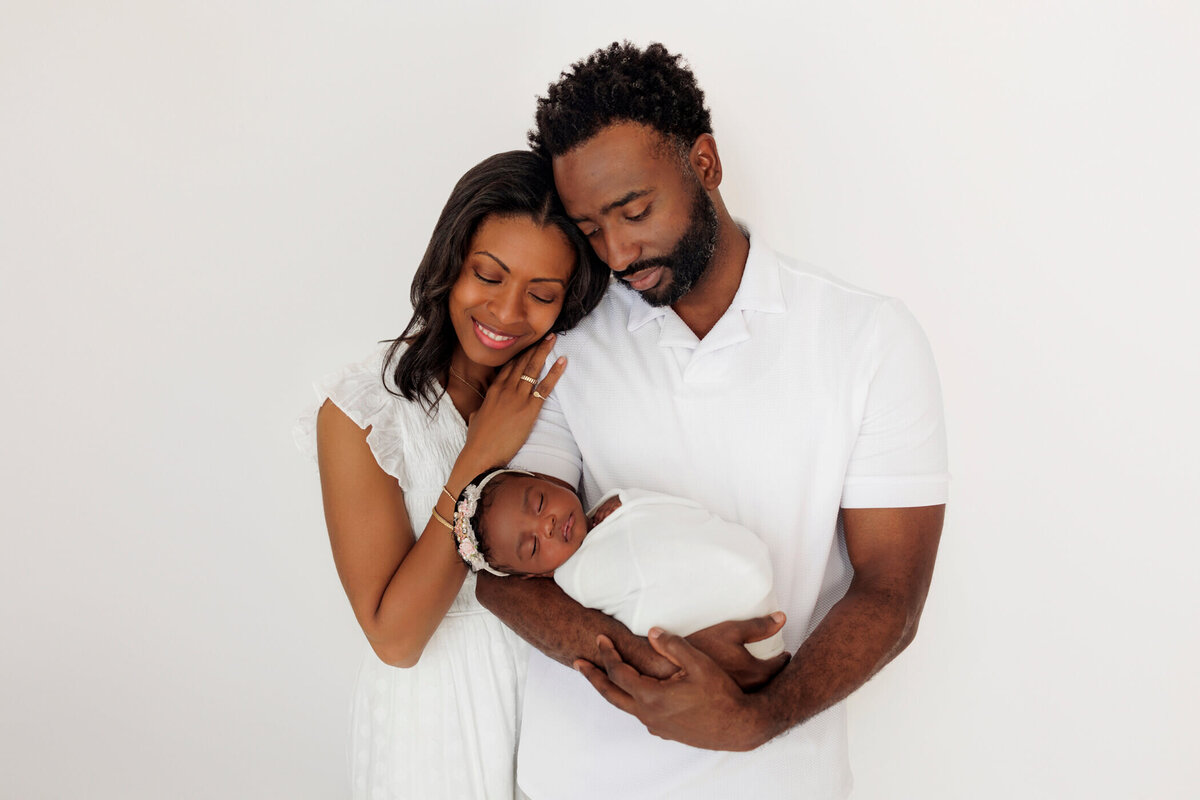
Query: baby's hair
x=486 y=497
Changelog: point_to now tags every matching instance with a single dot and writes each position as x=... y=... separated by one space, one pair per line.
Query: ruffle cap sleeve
x=359 y=391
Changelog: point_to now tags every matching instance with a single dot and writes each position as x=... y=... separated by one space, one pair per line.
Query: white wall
x=203 y=206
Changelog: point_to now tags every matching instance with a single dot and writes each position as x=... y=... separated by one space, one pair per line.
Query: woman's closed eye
x=485 y=279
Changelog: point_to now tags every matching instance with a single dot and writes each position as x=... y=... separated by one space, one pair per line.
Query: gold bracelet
x=442 y=520
x=453 y=499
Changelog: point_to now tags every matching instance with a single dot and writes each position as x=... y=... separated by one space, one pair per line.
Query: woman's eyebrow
x=504 y=267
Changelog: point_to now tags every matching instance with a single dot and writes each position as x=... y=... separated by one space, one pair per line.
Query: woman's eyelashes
x=544 y=300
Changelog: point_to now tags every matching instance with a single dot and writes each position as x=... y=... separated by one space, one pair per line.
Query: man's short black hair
x=616 y=84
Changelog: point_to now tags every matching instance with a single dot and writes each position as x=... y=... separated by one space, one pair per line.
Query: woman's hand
x=502 y=424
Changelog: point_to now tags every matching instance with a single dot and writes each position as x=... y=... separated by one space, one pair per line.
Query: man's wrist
x=763 y=718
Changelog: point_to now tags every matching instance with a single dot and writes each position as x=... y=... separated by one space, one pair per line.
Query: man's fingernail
x=655 y=633
x=778 y=616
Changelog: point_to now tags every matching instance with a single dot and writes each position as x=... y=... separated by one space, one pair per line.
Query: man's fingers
x=759 y=628
x=675 y=649
x=607 y=689
x=776 y=663
x=624 y=675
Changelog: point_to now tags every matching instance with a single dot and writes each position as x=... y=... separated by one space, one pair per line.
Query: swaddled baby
x=644 y=558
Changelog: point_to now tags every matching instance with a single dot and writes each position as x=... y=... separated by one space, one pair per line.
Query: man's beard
x=688 y=260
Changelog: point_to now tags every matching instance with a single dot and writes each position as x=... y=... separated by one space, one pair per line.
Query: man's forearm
x=857 y=638
x=543 y=615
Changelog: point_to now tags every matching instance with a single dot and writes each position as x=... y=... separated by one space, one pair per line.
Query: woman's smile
x=490 y=337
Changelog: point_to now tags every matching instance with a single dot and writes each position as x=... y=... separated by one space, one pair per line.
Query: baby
x=641 y=557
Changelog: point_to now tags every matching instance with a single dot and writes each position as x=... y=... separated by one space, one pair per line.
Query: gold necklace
x=466 y=383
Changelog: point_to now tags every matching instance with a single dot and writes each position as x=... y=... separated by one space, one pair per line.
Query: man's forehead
x=620 y=159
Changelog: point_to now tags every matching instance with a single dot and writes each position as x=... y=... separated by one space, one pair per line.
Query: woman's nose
x=506 y=306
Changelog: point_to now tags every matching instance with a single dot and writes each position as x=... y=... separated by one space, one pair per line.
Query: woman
x=436 y=709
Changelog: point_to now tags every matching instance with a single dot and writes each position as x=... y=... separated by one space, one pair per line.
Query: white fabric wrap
x=668 y=561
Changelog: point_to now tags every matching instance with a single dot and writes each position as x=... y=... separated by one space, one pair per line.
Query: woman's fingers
x=535 y=359
x=547 y=385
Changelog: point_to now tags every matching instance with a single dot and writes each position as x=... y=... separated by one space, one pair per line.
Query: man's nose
x=619 y=251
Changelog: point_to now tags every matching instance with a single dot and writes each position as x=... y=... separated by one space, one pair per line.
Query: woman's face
x=510 y=289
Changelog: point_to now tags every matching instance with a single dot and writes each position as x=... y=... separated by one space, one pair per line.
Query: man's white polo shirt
x=809 y=395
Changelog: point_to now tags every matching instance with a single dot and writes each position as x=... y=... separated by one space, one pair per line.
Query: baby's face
x=533 y=525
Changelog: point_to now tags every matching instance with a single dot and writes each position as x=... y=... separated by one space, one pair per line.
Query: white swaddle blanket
x=666 y=561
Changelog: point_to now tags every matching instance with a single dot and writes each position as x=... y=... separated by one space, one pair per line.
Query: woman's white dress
x=447 y=727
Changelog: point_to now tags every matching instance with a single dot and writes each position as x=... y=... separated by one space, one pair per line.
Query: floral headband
x=464 y=512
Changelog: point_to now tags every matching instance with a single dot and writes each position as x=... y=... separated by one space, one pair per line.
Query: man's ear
x=706 y=161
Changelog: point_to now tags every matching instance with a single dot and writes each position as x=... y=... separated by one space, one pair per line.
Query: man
x=801 y=407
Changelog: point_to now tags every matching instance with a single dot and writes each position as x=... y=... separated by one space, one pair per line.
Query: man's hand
x=606 y=508
x=725 y=644
x=700 y=705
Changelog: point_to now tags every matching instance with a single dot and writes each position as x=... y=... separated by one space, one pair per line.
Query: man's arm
x=893 y=552
x=543 y=615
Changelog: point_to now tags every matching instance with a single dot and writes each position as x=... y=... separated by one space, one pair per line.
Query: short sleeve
x=551 y=448
x=358 y=390
x=899 y=457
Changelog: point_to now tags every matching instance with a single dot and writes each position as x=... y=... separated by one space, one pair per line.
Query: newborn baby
x=641 y=557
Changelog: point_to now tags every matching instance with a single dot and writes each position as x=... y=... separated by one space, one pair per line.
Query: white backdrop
x=206 y=205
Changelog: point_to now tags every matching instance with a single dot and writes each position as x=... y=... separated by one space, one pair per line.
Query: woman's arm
x=399 y=585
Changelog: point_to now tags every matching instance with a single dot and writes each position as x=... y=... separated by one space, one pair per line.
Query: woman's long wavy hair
x=513 y=184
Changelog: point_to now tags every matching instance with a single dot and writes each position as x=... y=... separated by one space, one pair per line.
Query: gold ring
x=527 y=378
x=538 y=395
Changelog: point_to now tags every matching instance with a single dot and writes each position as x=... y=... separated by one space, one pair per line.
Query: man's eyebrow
x=504 y=267
x=628 y=198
